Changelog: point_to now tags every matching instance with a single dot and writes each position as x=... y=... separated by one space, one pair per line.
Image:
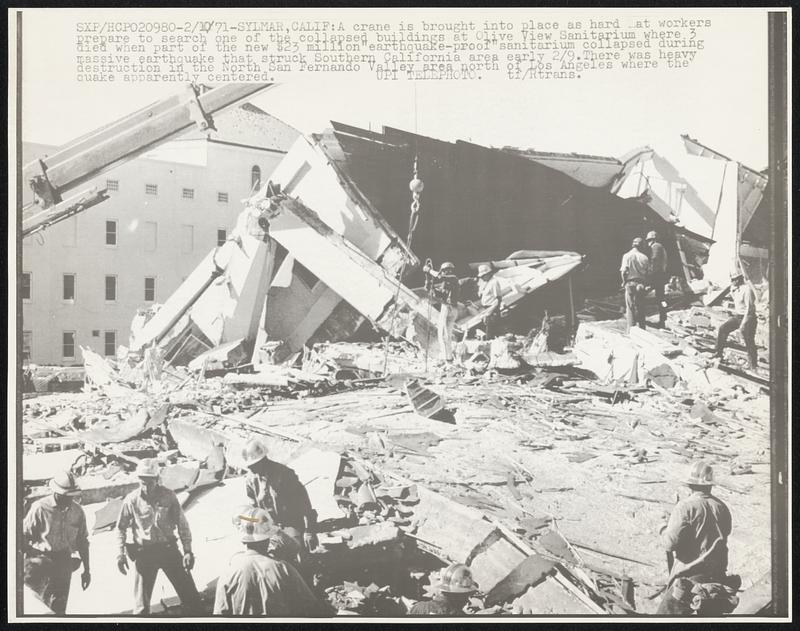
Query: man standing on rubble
x=658 y=273
x=491 y=295
x=696 y=541
x=54 y=529
x=255 y=583
x=153 y=513
x=446 y=288
x=635 y=271
x=743 y=319
x=277 y=489
x=453 y=590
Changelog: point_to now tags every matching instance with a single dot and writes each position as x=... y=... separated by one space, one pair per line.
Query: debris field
x=548 y=473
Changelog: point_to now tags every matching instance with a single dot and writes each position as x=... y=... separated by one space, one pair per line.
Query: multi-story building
x=83 y=279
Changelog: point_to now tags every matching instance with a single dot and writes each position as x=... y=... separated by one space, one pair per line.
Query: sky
x=721 y=100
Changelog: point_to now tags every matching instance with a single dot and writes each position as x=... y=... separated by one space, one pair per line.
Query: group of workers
x=445 y=289
x=268 y=577
x=645 y=266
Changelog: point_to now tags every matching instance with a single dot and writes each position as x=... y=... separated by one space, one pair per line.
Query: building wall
x=163 y=236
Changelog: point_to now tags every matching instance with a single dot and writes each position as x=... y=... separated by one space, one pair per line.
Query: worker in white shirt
x=491 y=296
x=744 y=319
x=635 y=271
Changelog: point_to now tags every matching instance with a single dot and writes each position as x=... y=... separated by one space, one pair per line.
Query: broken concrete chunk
x=180 y=476
x=426 y=402
x=555 y=544
x=529 y=573
x=106 y=516
x=374 y=534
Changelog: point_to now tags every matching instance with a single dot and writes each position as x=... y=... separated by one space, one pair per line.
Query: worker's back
x=696 y=523
x=258 y=585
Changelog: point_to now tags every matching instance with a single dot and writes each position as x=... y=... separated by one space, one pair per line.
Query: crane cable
x=416 y=185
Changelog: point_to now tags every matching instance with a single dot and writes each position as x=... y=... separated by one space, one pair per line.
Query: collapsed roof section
x=481 y=202
x=594 y=171
x=753 y=213
x=707 y=193
x=341 y=257
x=317 y=251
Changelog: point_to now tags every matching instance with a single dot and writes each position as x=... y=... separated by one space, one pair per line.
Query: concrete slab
x=42 y=467
x=317 y=470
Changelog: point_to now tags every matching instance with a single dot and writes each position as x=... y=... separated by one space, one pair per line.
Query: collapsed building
x=546 y=472
x=319 y=252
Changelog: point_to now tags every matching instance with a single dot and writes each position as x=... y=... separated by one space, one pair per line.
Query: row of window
x=188 y=193
x=152 y=189
x=68 y=345
x=186 y=230
x=69 y=287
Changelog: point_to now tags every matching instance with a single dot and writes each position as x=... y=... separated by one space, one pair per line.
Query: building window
x=149 y=289
x=222 y=236
x=150 y=229
x=306 y=275
x=110 y=343
x=188 y=193
x=255 y=177
x=112 y=185
x=25 y=286
x=111 y=232
x=222 y=198
x=187 y=239
x=68 y=345
x=27 y=337
x=111 y=288
x=151 y=189
x=68 y=287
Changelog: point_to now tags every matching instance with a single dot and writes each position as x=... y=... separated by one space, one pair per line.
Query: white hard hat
x=64 y=483
x=253 y=524
x=254 y=451
x=457 y=579
x=484 y=269
x=700 y=474
x=147 y=468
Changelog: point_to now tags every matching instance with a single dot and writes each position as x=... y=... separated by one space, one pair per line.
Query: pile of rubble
x=547 y=473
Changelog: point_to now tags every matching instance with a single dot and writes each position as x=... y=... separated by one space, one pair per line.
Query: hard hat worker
x=490 y=294
x=453 y=589
x=276 y=488
x=152 y=514
x=658 y=273
x=696 y=540
x=635 y=272
x=53 y=530
x=447 y=291
x=743 y=319
x=255 y=582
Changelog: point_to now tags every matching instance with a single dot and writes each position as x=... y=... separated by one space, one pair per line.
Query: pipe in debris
x=216 y=273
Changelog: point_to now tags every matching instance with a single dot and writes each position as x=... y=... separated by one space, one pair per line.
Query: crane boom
x=54 y=177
